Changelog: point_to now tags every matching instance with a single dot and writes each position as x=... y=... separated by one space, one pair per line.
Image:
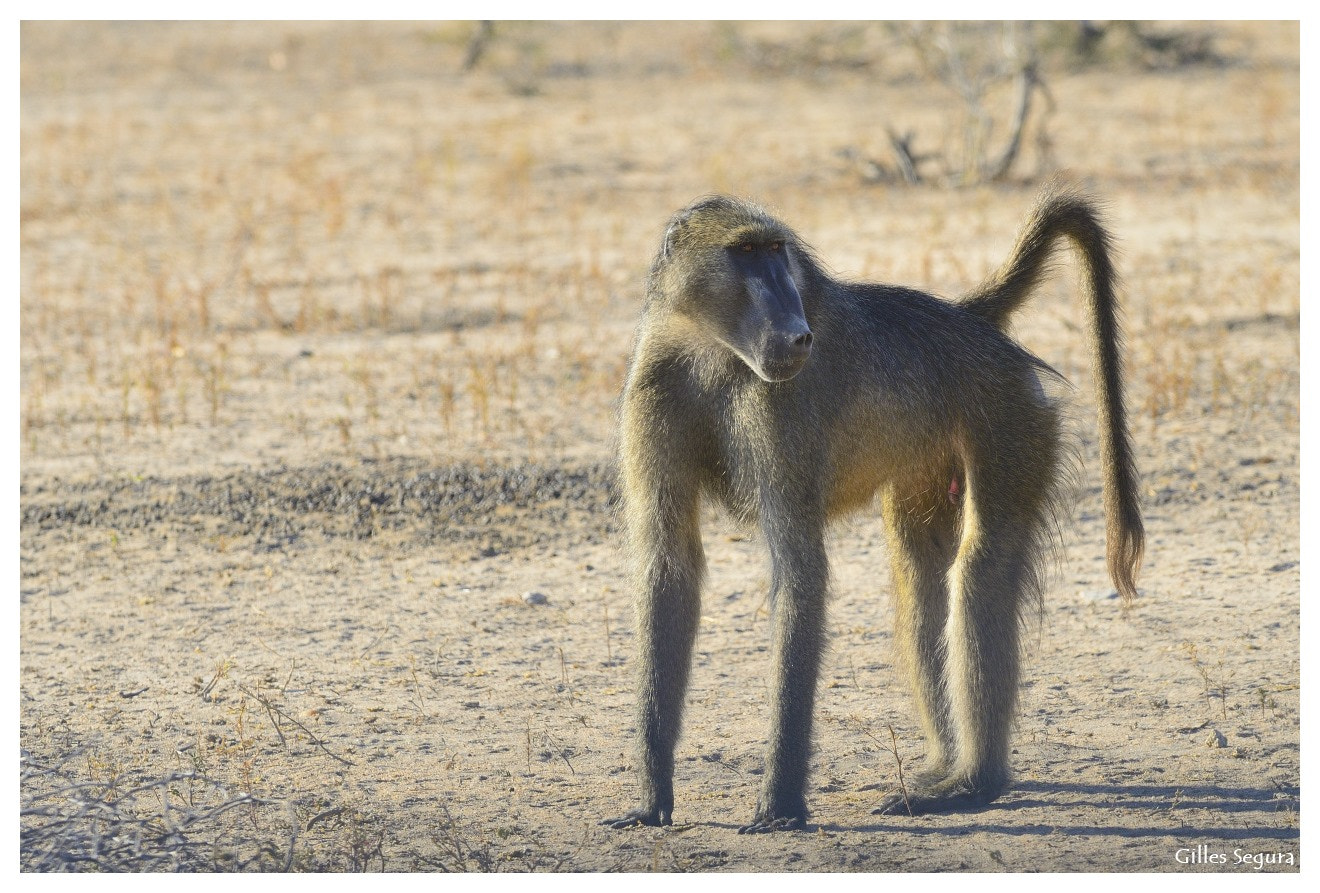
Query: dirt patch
x=395 y=499
x=322 y=341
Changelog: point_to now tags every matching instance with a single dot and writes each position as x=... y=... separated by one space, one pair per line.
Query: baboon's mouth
x=781 y=370
x=785 y=354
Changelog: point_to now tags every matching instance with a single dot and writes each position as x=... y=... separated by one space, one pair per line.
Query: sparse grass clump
x=179 y=821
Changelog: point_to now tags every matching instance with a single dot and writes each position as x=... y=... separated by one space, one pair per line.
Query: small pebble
x=536 y=598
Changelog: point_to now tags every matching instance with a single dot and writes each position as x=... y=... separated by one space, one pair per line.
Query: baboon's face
x=770 y=332
x=734 y=271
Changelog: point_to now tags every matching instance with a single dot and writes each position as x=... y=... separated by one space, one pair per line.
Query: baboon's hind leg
x=923 y=540
x=994 y=571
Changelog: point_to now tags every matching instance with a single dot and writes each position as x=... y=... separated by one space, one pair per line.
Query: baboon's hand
x=766 y=824
x=655 y=817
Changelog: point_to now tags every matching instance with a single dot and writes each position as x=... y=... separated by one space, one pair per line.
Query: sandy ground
x=321 y=342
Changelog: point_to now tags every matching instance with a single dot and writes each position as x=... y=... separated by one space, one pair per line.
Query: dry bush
x=979 y=62
x=180 y=821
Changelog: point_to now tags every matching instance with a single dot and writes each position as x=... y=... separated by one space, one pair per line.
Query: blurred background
x=241 y=243
x=323 y=327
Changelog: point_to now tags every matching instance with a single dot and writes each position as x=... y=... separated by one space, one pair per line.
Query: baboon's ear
x=667 y=243
x=678 y=224
x=672 y=231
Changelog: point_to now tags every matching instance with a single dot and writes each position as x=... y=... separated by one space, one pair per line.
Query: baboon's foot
x=945 y=795
x=784 y=817
x=652 y=816
x=768 y=824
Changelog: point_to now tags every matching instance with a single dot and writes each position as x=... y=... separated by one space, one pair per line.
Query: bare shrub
x=174 y=822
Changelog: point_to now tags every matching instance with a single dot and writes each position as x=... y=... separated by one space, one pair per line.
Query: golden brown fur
x=790 y=397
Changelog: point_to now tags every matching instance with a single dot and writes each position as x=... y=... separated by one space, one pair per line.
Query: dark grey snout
x=796 y=343
x=787 y=352
x=780 y=339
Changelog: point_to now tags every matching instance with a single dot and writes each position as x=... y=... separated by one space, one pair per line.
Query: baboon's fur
x=923 y=401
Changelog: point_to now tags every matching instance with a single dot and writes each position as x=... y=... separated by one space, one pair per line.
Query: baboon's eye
x=776 y=246
x=747 y=247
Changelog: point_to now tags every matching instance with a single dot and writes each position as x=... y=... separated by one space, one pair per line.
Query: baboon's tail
x=1064 y=211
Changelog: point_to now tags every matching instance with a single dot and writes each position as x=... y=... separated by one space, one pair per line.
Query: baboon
x=790 y=397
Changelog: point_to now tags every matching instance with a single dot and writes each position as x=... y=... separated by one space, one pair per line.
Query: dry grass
x=497 y=223
x=174 y=822
x=250 y=251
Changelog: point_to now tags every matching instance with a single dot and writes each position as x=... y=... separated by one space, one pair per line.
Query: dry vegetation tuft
x=322 y=329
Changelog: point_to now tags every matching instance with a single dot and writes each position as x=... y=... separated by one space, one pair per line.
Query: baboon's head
x=734 y=271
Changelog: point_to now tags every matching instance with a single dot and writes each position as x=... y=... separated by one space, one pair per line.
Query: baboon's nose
x=797 y=346
x=787 y=352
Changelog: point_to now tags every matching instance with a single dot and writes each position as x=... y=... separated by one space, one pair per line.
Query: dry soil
x=322 y=337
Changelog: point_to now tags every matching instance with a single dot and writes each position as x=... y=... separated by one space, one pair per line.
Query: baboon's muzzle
x=787 y=352
x=782 y=339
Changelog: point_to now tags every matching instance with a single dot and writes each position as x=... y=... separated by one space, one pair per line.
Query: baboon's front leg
x=798 y=594
x=670 y=564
